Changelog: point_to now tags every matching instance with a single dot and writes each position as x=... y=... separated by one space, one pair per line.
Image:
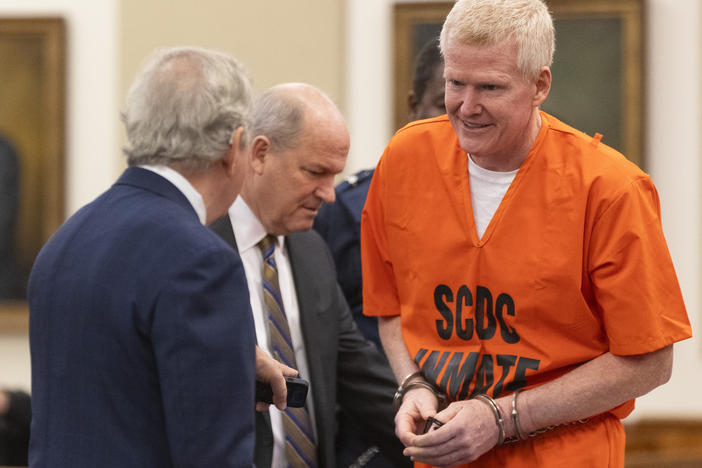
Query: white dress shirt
x=248 y=232
x=177 y=179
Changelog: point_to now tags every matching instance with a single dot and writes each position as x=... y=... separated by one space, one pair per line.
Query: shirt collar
x=248 y=230
x=182 y=184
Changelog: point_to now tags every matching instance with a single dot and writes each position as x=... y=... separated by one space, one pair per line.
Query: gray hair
x=183 y=108
x=280 y=117
x=487 y=22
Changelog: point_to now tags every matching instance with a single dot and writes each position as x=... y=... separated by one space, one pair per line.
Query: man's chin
x=302 y=224
x=472 y=146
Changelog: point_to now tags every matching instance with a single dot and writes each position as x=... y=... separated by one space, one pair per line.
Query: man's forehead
x=455 y=47
x=467 y=58
x=325 y=150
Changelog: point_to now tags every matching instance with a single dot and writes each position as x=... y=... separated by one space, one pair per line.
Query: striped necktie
x=300 y=450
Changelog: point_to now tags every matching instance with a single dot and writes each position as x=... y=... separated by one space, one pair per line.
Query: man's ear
x=260 y=147
x=543 y=86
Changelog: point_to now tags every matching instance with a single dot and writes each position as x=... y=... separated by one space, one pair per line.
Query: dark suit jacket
x=141 y=335
x=346 y=371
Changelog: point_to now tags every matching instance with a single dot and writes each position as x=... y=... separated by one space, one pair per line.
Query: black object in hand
x=431 y=422
x=297 y=392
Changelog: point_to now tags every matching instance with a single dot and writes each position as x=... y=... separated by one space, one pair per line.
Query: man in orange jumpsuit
x=518 y=268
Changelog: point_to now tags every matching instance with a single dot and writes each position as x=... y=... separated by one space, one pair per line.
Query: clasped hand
x=468 y=429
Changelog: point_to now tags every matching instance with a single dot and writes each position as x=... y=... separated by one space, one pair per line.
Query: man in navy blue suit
x=141 y=334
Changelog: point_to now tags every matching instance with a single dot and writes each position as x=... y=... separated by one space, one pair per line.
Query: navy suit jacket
x=141 y=336
x=352 y=383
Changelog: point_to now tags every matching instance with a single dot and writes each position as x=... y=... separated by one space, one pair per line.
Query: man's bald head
x=300 y=143
x=283 y=111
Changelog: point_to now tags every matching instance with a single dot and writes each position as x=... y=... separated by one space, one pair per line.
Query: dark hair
x=428 y=58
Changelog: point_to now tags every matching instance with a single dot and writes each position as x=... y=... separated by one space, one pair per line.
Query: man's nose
x=326 y=192
x=470 y=102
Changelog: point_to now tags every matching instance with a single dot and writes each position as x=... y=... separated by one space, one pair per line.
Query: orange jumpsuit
x=572 y=265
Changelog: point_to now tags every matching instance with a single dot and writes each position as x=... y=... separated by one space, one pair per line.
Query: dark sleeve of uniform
x=339 y=223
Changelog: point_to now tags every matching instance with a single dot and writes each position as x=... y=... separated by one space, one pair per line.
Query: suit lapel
x=223 y=227
x=305 y=271
x=313 y=320
x=318 y=317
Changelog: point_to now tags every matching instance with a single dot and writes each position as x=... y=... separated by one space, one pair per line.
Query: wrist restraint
x=514 y=414
x=415 y=380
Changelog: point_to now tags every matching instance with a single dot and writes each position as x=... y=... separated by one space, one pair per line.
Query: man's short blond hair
x=528 y=23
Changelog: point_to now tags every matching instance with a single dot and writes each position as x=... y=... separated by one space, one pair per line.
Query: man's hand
x=417 y=405
x=469 y=430
x=271 y=371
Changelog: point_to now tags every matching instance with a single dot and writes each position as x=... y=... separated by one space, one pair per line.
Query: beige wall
x=306 y=40
x=277 y=41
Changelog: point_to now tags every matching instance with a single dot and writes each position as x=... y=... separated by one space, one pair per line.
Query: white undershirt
x=248 y=232
x=487 y=188
x=177 y=179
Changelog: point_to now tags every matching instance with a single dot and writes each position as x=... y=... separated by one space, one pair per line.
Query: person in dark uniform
x=339 y=223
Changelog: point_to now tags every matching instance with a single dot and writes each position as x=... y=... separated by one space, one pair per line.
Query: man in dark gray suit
x=300 y=143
